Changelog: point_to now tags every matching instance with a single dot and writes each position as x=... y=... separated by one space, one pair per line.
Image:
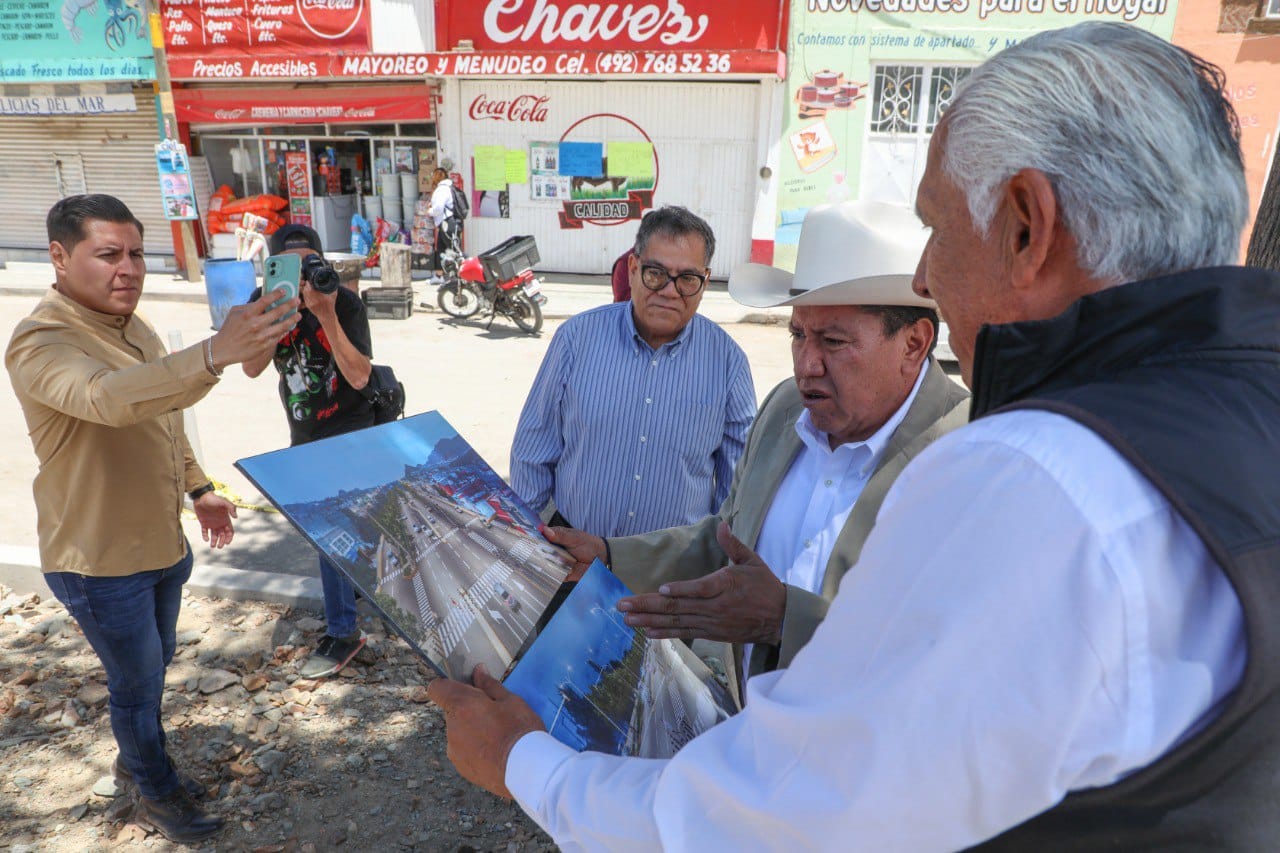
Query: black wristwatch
x=197 y=493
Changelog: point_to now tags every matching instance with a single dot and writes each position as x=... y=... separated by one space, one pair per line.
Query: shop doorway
x=326 y=172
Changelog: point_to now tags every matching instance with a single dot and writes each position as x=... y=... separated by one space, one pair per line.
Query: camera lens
x=320 y=274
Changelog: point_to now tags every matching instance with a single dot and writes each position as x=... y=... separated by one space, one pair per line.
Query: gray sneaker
x=331 y=655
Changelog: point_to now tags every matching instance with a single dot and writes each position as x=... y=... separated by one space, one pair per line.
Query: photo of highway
x=600 y=685
x=428 y=533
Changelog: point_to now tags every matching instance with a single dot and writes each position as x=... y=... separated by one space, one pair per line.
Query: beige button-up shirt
x=103 y=403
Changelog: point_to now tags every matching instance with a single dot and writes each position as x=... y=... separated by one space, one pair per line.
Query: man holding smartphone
x=103 y=401
x=323 y=364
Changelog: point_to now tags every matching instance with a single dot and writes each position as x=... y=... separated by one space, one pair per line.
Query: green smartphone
x=282 y=272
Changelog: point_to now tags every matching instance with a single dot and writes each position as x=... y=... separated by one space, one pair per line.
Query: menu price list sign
x=235 y=27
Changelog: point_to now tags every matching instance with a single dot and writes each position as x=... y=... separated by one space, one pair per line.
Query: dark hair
x=673 y=221
x=895 y=318
x=66 y=219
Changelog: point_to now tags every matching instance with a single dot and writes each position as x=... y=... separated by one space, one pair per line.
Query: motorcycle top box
x=497 y=282
x=510 y=257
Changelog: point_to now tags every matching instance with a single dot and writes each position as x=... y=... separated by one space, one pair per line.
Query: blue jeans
x=131 y=622
x=339 y=601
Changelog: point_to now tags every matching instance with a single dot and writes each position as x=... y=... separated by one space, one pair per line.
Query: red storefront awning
x=336 y=105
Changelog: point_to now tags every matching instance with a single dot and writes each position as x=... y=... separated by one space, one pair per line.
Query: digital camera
x=320 y=274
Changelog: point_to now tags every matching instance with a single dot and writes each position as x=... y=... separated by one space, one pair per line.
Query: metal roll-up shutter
x=28 y=181
x=44 y=158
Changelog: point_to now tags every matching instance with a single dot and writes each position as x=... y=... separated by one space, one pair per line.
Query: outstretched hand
x=744 y=602
x=482 y=724
x=214 y=512
x=583 y=547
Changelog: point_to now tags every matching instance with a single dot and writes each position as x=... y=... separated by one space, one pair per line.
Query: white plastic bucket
x=408 y=184
x=390 y=188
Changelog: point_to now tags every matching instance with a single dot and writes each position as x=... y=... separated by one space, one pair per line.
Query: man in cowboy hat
x=867 y=396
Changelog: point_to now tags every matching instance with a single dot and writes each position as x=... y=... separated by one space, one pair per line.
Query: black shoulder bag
x=385 y=392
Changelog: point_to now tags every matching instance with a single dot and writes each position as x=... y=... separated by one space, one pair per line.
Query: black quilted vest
x=1181 y=375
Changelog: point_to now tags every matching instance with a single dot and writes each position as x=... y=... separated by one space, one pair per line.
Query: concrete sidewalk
x=476 y=377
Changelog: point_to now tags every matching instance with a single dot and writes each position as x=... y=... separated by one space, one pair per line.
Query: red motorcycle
x=499 y=281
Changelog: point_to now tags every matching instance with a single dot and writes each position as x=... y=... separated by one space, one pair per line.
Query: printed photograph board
x=435 y=540
x=427 y=531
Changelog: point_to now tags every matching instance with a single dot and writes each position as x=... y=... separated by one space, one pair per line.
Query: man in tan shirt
x=103 y=403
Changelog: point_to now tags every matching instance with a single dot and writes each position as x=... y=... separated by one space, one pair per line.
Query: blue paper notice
x=582 y=159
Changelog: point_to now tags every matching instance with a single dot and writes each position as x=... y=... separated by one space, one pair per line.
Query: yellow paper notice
x=517 y=166
x=491 y=167
x=630 y=159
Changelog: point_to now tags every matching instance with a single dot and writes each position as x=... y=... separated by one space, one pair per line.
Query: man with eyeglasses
x=640 y=409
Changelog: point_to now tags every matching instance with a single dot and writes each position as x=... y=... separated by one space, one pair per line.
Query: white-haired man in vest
x=1062 y=632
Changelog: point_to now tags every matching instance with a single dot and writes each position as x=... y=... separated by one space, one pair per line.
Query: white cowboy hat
x=854 y=253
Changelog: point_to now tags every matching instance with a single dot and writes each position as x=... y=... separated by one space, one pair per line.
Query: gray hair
x=1136 y=135
x=673 y=221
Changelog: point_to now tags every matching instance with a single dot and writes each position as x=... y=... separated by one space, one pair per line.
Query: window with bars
x=910 y=99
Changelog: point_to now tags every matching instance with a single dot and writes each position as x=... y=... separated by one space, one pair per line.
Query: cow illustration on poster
x=610 y=182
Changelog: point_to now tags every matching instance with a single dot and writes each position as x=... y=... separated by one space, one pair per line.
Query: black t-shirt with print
x=318 y=400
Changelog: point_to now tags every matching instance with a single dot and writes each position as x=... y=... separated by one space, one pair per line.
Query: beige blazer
x=646 y=561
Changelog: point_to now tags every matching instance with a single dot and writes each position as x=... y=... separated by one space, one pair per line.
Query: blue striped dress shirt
x=627 y=439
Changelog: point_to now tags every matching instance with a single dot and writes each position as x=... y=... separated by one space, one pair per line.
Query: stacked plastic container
x=408 y=198
x=391 y=209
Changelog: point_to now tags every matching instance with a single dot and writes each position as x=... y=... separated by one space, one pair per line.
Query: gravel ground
x=357 y=761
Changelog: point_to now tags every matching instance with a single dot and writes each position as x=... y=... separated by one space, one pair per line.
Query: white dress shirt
x=1029 y=617
x=815 y=498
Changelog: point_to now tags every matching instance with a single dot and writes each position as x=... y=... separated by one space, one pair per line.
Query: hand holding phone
x=282 y=272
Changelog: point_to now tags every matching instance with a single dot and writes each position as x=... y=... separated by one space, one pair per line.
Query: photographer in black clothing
x=323 y=364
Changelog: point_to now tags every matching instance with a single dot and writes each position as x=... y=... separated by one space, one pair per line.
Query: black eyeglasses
x=655 y=278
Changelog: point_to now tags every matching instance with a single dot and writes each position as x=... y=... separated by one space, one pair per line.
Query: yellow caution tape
x=220 y=488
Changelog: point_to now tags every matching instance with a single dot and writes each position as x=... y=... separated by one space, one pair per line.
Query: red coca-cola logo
x=330 y=19
x=227 y=115
x=519 y=108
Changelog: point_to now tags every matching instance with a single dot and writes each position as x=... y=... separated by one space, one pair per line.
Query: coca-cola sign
x=527 y=108
x=278 y=105
x=609 y=24
x=330 y=19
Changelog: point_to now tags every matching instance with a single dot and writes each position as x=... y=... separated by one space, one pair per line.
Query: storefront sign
x=415 y=66
x=863 y=92
x=609 y=24
x=45 y=104
x=244 y=27
x=299 y=106
x=175 y=180
x=297 y=172
x=71 y=40
x=606 y=211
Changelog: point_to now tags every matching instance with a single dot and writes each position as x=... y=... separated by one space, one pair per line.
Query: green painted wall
x=823 y=144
